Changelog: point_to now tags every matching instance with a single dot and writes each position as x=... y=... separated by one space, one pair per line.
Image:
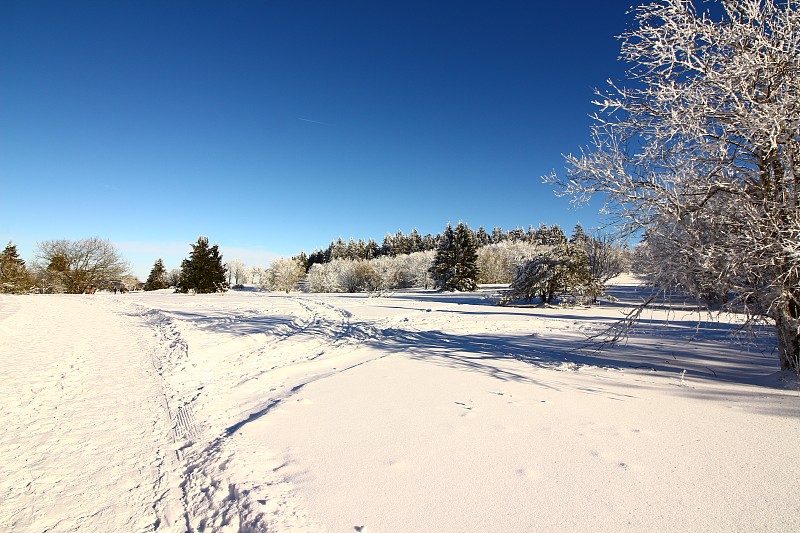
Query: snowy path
x=84 y=435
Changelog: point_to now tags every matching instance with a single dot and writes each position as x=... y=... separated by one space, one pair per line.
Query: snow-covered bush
x=560 y=271
x=383 y=273
x=498 y=263
x=322 y=278
x=282 y=275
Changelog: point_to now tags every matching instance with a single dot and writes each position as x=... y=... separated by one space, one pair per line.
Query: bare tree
x=703 y=152
x=79 y=266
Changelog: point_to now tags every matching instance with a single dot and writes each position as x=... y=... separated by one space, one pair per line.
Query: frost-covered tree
x=560 y=271
x=606 y=258
x=14 y=277
x=158 y=278
x=79 y=266
x=322 y=278
x=498 y=263
x=384 y=273
x=130 y=283
x=174 y=277
x=237 y=271
x=284 y=274
x=256 y=274
x=203 y=271
x=702 y=150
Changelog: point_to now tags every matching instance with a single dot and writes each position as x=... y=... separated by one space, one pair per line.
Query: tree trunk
x=787 y=329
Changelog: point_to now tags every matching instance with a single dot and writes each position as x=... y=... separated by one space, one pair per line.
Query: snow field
x=410 y=411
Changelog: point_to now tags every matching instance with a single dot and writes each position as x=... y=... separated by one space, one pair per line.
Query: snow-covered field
x=410 y=411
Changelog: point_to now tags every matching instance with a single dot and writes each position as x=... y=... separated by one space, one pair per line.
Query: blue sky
x=273 y=127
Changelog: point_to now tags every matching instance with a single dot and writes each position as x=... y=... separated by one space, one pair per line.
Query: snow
x=409 y=411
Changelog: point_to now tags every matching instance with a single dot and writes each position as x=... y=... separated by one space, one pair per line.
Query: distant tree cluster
x=575 y=269
x=460 y=262
x=401 y=244
x=383 y=273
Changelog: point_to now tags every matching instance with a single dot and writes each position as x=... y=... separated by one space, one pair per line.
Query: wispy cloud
x=313 y=121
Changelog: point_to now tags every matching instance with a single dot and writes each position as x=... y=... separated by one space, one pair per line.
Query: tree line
x=402 y=244
x=578 y=266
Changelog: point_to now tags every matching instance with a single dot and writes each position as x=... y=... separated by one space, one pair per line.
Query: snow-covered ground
x=410 y=411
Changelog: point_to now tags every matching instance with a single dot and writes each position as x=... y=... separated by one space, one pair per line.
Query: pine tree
x=203 y=271
x=158 y=278
x=13 y=274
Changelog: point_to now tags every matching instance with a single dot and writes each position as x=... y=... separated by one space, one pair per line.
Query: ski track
x=264 y=375
x=79 y=456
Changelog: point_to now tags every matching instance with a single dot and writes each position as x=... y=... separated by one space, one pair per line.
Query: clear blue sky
x=273 y=127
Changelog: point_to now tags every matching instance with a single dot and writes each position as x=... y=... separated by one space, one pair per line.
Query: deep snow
x=410 y=411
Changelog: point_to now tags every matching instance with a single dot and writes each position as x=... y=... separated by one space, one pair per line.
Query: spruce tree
x=465 y=274
x=442 y=269
x=158 y=278
x=455 y=267
x=203 y=271
x=13 y=274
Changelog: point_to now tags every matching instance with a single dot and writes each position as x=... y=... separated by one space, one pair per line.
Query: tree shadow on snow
x=705 y=353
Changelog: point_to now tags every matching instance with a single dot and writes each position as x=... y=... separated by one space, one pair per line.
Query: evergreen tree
x=303 y=259
x=387 y=248
x=498 y=235
x=579 y=237
x=483 y=237
x=373 y=250
x=455 y=266
x=203 y=271
x=317 y=257
x=158 y=278
x=465 y=276
x=444 y=263
x=13 y=274
x=415 y=241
